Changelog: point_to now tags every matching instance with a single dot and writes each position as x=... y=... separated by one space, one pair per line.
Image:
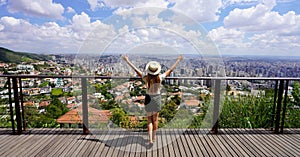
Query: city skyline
x=235 y=27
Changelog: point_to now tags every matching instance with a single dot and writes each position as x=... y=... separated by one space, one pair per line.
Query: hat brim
x=151 y=72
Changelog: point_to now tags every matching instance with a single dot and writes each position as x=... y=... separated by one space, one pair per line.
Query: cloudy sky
x=237 y=27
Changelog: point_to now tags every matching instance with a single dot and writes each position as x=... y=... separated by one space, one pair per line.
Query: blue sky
x=236 y=27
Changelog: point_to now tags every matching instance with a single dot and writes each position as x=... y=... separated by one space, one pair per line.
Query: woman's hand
x=125 y=57
x=180 y=58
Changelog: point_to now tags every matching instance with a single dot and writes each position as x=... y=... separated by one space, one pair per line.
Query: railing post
x=22 y=105
x=274 y=105
x=217 y=92
x=17 y=105
x=84 y=106
x=10 y=106
x=279 y=101
x=284 y=105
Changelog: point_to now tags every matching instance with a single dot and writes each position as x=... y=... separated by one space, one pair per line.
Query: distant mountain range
x=9 y=56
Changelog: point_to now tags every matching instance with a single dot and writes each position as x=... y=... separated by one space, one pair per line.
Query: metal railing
x=281 y=85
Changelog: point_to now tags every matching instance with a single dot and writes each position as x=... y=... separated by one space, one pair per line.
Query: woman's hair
x=153 y=82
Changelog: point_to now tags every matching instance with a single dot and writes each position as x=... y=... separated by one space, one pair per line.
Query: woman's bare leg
x=155 y=125
x=150 y=126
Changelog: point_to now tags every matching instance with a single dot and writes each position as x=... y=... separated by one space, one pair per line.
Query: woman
x=153 y=80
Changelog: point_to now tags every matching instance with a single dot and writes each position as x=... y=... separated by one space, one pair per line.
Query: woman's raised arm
x=132 y=66
x=168 y=72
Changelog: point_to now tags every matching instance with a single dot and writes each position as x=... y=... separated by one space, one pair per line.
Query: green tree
x=168 y=111
x=108 y=105
x=120 y=118
x=56 y=108
x=296 y=93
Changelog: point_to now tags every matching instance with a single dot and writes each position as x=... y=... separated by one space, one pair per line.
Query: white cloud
x=19 y=34
x=227 y=37
x=136 y=4
x=227 y=3
x=144 y=26
x=273 y=44
x=264 y=29
x=3 y=2
x=200 y=10
x=256 y=18
x=70 y=10
x=94 y=4
x=38 y=8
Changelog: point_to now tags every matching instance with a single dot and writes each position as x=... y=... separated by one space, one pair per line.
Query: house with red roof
x=75 y=116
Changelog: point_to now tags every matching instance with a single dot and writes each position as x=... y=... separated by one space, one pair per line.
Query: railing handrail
x=217 y=80
x=175 y=78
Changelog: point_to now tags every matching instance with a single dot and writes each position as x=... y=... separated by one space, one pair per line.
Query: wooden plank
x=220 y=146
x=197 y=137
x=159 y=145
x=180 y=143
x=115 y=144
x=229 y=151
x=5 y=139
x=230 y=147
x=75 y=145
x=168 y=139
x=128 y=144
x=250 y=142
x=192 y=147
x=216 y=145
x=100 y=137
x=138 y=144
x=91 y=146
x=260 y=145
x=16 y=146
x=70 y=144
x=125 y=143
x=174 y=137
x=133 y=144
x=144 y=147
x=264 y=142
x=164 y=144
x=239 y=139
x=33 y=142
x=65 y=143
x=237 y=145
x=107 y=142
x=81 y=146
x=275 y=144
x=53 y=148
x=212 y=151
x=291 y=144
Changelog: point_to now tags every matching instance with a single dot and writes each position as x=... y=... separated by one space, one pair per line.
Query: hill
x=9 y=56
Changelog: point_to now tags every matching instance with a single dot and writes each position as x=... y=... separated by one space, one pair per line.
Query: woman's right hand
x=125 y=57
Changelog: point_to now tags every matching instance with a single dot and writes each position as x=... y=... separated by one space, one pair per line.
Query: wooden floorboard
x=133 y=143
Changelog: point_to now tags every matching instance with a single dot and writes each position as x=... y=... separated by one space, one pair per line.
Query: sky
x=231 y=27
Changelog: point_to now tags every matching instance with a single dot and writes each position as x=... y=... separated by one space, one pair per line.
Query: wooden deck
x=111 y=143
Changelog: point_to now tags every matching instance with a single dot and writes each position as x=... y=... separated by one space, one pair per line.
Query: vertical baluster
x=217 y=93
x=284 y=105
x=22 y=105
x=11 y=106
x=279 y=101
x=274 y=105
x=17 y=105
x=84 y=106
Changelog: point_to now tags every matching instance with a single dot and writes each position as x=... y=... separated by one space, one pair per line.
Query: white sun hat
x=153 y=68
